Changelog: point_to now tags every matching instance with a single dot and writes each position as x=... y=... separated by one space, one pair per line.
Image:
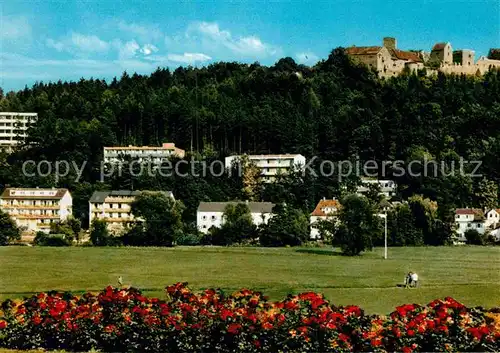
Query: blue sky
x=67 y=40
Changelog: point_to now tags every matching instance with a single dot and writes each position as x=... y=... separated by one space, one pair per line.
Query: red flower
x=256 y=343
x=291 y=306
x=406 y=350
x=3 y=324
x=344 y=337
x=376 y=342
x=37 y=320
x=411 y=333
x=397 y=332
x=233 y=328
x=267 y=326
x=109 y=328
x=225 y=313
x=353 y=309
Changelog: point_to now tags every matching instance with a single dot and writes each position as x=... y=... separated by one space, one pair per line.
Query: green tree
x=288 y=226
x=159 y=220
x=401 y=227
x=237 y=226
x=474 y=237
x=8 y=229
x=99 y=234
x=359 y=226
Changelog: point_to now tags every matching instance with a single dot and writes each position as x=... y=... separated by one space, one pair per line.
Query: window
x=204 y=218
x=214 y=218
x=479 y=225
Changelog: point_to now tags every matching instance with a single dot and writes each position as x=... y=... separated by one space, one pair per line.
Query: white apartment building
x=13 y=128
x=114 y=207
x=34 y=210
x=325 y=210
x=154 y=155
x=387 y=187
x=271 y=165
x=469 y=218
x=210 y=214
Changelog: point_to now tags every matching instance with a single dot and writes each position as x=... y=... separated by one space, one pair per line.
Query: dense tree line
x=336 y=110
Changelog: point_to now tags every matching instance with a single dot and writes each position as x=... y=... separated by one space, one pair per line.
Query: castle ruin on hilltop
x=390 y=61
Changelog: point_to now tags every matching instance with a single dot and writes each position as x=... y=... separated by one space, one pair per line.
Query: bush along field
x=122 y=319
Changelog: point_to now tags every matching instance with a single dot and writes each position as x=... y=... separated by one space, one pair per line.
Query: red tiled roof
x=405 y=55
x=464 y=211
x=439 y=46
x=318 y=211
x=363 y=50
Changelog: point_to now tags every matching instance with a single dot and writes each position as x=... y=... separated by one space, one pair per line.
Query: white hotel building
x=34 y=210
x=271 y=165
x=211 y=214
x=155 y=155
x=115 y=208
x=13 y=128
x=388 y=188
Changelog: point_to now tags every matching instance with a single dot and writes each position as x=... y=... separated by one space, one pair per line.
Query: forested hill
x=335 y=110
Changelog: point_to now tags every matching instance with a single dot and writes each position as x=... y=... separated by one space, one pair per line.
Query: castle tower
x=390 y=43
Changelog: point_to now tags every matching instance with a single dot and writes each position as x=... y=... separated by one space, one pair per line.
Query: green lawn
x=469 y=274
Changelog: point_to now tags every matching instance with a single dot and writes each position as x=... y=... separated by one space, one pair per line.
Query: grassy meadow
x=469 y=274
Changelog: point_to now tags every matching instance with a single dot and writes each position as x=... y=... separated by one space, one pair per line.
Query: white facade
x=466 y=219
x=492 y=218
x=210 y=214
x=387 y=187
x=114 y=207
x=272 y=165
x=325 y=210
x=13 y=128
x=34 y=210
x=142 y=154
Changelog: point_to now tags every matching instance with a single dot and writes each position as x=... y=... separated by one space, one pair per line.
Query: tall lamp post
x=384 y=216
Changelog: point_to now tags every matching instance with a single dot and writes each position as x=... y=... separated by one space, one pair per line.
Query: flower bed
x=118 y=320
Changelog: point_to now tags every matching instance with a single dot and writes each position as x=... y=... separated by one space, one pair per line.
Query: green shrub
x=189 y=239
x=42 y=239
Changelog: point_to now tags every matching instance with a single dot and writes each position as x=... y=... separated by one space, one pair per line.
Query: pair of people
x=411 y=280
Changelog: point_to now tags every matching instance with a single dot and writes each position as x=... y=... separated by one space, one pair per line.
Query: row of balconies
x=143 y=153
x=34 y=204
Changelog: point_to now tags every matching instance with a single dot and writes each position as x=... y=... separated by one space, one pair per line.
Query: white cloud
x=211 y=35
x=14 y=27
x=145 y=32
x=148 y=49
x=88 y=43
x=307 y=58
x=188 y=58
x=81 y=43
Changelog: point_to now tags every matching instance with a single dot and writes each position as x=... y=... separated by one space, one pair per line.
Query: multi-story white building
x=154 y=155
x=13 y=128
x=210 y=214
x=387 y=187
x=325 y=210
x=271 y=165
x=469 y=218
x=114 y=207
x=34 y=210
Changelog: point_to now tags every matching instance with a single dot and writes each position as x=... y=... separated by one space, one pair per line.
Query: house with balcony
x=388 y=188
x=13 y=128
x=271 y=165
x=325 y=210
x=154 y=155
x=468 y=219
x=115 y=208
x=211 y=214
x=36 y=209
